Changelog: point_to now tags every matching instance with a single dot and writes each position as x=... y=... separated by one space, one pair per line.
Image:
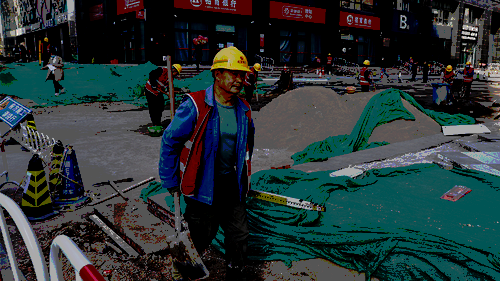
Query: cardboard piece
x=465 y=129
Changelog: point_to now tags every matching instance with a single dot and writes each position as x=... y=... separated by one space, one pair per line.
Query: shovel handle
x=177 y=212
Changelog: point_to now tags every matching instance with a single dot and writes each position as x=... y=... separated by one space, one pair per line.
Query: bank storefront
x=359 y=34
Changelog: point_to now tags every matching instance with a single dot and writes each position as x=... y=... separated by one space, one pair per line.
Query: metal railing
x=36 y=142
x=61 y=244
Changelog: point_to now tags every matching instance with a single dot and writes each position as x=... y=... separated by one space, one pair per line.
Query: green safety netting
x=382 y=108
x=90 y=83
x=388 y=223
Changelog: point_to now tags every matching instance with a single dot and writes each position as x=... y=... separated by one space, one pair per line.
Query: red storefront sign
x=262 y=40
x=359 y=21
x=139 y=14
x=127 y=6
x=239 y=7
x=96 y=12
x=287 y=11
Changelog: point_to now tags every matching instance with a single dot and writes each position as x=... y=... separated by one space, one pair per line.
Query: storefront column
x=485 y=38
x=456 y=43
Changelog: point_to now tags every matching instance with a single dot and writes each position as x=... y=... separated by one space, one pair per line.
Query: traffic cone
x=36 y=202
x=72 y=191
x=55 y=167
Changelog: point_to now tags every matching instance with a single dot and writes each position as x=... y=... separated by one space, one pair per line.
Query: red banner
x=359 y=21
x=286 y=11
x=96 y=12
x=127 y=6
x=239 y=7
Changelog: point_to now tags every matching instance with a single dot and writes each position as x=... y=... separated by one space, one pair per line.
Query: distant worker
x=251 y=81
x=156 y=87
x=425 y=71
x=448 y=77
x=47 y=51
x=365 y=77
x=56 y=72
x=468 y=77
x=414 y=69
x=329 y=61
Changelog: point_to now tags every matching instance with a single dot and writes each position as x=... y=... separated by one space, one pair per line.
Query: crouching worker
x=206 y=153
x=156 y=87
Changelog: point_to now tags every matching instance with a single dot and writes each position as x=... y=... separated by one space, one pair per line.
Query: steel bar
x=117 y=190
x=125 y=190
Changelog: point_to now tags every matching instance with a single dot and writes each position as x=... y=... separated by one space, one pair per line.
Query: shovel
x=184 y=255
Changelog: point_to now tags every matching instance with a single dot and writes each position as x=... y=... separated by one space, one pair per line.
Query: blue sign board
x=12 y=112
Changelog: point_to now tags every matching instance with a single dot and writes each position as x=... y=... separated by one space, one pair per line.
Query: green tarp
x=381 y=109
x=388 y=223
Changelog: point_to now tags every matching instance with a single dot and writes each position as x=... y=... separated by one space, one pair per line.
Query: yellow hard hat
x=449 y=68
x=46 y=39
x=468 y=63
x=177 y=67
x=256 y=67
x=329 y=54
x=366 y=62
x=230 y=58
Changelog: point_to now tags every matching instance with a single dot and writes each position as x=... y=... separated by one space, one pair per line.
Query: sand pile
x=310 y=114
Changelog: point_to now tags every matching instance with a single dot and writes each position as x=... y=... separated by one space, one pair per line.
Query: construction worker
x=329 y=61
x=365 y=77
x=47 y=51
x=250 y=81
x=468 y=77
x=448 y=76
x=215 y=177
x=156 y=87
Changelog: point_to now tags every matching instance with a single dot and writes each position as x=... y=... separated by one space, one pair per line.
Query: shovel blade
x=186 y=258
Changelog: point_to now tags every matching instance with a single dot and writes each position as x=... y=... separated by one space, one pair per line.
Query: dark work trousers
x=426 y=77
x=248 y=93
x=228 y=212
x=156 y=105
x=57 y=85
x=328 y=69
x=467 y=86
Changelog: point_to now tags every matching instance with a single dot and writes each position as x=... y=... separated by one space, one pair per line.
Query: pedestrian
x=414 y=69
x=23 y=53
x=447 y=77
x=383 y=70
x=318 y=63
x=55 y=73
x=329 y=61
x=468 y=77
x=198 y=53
x=251 y=81
x=155 y=88
x=215 y=178
x=425 y=70
x=17 y=53
x=365 y=77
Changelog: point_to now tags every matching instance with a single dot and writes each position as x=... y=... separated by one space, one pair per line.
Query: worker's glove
x=174 y=189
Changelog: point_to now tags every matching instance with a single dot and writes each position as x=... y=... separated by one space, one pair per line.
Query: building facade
x=291 y=32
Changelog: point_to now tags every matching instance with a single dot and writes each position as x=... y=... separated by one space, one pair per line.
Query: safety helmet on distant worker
x=449 y=68
x=230 y=58
x=329 y=54
x=366 y=62
x=177 y=67
x=468 y=63
x=46 y=39
x=257 y=67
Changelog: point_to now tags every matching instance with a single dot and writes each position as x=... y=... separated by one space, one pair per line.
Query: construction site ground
x=111 y=143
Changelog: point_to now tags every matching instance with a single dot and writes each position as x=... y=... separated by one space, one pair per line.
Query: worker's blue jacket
x=180 y=130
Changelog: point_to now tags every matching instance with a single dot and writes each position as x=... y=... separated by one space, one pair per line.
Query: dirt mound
x=300 y=117
x=403 y=130
x=306 y=115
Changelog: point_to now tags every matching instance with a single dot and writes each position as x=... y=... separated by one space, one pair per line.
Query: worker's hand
x=174 y=189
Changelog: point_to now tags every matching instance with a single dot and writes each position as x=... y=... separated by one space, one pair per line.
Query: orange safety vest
x=162 y=83
x=468 y=74
x=362 y=79
x=448 y=77
x=191 y=154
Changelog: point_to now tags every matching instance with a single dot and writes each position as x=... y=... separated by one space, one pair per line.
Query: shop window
x=199 y=26
x=301 y=51
x=403 y=5
x=471 y=16
x=242 y=39
x=181 y=46
x=285 y=50
x=360 y=5
x=285 y=33
x=181 y=25
x=315 y=46
x=205 y=51
x=442 y=17
x=301 y=33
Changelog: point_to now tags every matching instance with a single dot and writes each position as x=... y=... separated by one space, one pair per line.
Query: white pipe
x=64 y=244
x=29 y=238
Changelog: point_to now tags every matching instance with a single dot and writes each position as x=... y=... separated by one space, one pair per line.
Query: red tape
x=90 y=273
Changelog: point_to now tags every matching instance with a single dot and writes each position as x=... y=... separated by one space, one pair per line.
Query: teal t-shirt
x=226 y=155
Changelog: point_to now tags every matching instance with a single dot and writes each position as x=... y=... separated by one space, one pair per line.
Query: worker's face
x=231 y=81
